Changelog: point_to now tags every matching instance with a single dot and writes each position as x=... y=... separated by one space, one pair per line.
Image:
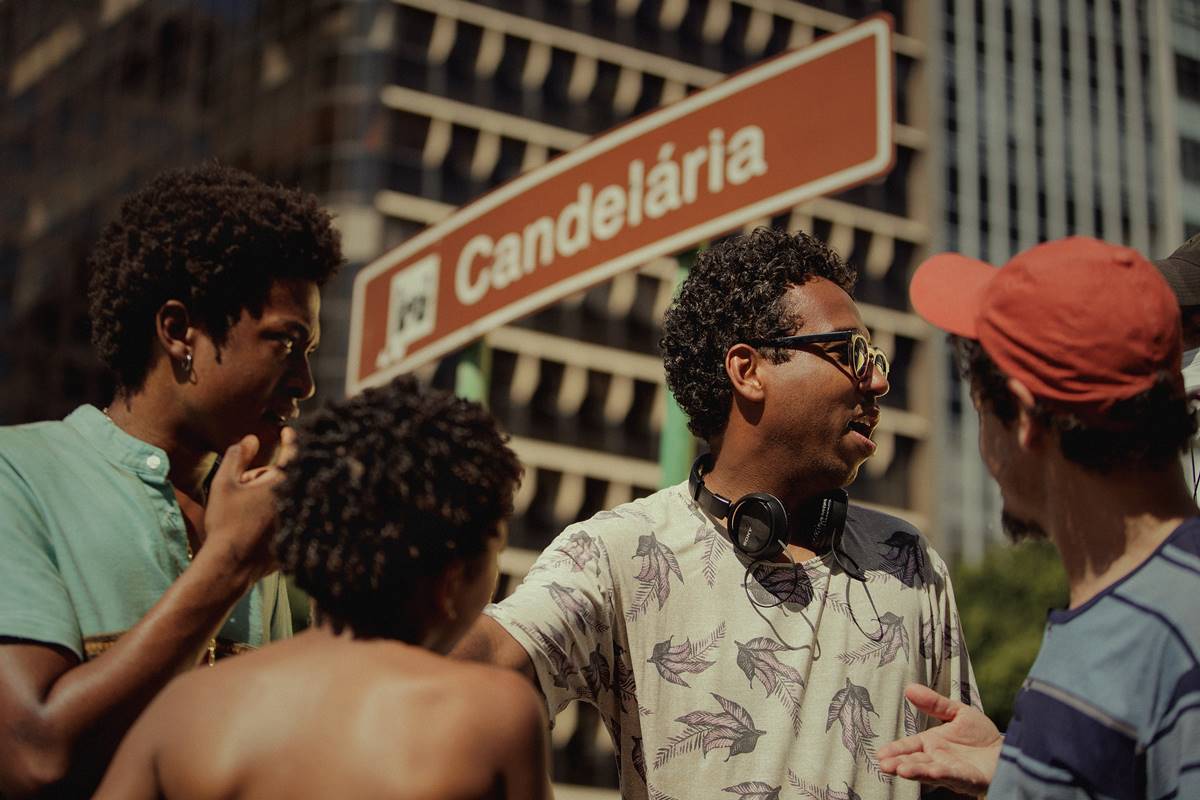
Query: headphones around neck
x=757 y=524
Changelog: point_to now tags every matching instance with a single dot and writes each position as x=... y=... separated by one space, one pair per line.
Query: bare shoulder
x=500 y=699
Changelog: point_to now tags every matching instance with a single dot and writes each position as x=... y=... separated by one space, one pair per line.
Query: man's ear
x=1029 y=429
x=173 y=327
x=448 y=588
x=743 y=365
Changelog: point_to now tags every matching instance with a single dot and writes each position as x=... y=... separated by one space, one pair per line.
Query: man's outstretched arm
x=488 y=643
x=960 y=754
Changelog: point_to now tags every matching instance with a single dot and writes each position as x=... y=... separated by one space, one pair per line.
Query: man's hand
x=240 y=515
x=960 y=754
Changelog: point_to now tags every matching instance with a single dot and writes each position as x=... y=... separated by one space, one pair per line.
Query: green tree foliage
x=1003 y=602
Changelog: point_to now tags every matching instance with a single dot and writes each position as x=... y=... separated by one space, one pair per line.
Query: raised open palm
x=960 y=754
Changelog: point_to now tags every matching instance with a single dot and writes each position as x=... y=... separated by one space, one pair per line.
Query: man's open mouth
x=862 y=426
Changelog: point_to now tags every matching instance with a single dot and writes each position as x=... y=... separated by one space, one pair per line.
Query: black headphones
x=758 y=523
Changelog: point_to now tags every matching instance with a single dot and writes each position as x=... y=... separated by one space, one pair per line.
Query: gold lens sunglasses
x=861 y=356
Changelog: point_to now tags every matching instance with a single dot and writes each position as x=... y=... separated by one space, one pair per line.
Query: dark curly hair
x=389 y=488
x=1146 y=431
x=212 y=237
x=733 y=295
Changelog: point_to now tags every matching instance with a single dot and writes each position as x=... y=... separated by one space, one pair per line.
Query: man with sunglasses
x=1072 y=351
x=747 y=633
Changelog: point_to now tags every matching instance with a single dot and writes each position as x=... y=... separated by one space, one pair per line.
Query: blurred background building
x=1016 y=121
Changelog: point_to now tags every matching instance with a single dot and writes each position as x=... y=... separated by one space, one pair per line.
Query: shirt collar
x=118 y=446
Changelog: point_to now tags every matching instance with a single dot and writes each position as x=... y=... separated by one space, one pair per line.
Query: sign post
x=806 y=123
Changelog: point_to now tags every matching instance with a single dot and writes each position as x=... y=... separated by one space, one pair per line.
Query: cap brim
x=947 y=291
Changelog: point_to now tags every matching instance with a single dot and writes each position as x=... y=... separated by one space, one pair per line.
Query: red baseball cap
x=1081 y=322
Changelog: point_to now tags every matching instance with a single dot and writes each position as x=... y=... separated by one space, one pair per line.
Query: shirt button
x=153 y=461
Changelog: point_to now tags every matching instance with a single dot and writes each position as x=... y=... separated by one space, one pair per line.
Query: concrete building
x=1184 y=25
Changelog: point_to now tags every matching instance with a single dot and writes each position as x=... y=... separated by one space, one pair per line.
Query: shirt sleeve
x=277 y=609
x=1172 y=755
x=34 y=602
x=952 y=674
x=562 y=614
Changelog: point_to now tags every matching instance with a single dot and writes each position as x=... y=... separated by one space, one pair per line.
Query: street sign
x=806 y=123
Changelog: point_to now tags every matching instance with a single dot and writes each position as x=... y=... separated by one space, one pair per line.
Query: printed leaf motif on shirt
x=949 y=646
x=757 y=659
x=580 y=549
x=815 y=792
x=793 y=588
x=555 y=647
x=754 y=790
x=654 y=577
x=967 y=693
x=639 y=757
x=904 y=559
x=623 y=682
x=655 y=794
x=596 y=674
x=912 y=719
x=716 y=545
x=576 y=607
x=674 y=660
x=892 y=638
x=851 y=707
x=731 y=728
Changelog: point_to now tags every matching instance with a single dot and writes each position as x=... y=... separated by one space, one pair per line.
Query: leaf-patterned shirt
x=720 y=678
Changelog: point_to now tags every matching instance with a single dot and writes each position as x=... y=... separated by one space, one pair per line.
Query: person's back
x=391 y=518
x=325 y=716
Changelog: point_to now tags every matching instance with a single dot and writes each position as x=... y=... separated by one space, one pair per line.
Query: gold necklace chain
x=210 y=651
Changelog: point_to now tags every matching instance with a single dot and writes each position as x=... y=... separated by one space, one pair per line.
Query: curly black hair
x=732 y=295
x=1146 y=431
x=389 y=488
x=212 y=237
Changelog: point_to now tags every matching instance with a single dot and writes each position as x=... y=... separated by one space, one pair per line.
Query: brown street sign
x=806 y=123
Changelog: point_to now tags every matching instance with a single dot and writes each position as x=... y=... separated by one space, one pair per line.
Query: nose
x=876 y=382
x=301 y=384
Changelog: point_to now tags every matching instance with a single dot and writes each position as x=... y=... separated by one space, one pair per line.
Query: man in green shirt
x=128 y=557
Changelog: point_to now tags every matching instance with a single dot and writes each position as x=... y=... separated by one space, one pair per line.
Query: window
x=1189 y=159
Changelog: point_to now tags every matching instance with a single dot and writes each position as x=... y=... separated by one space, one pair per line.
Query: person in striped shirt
x=1072 y=350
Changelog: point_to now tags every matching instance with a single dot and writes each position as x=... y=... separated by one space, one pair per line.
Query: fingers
x=902 y=747
x=929 y=771
x=288 y=448
x=251 y=475
x=930 y=702
x=237 y=456
x=906 y=766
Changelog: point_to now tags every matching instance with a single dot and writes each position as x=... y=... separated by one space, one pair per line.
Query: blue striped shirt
x=1111 y=707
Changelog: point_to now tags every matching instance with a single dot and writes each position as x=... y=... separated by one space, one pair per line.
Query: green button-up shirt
x=91 y=536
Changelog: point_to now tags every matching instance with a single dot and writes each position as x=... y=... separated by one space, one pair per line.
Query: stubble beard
x=1018 y=529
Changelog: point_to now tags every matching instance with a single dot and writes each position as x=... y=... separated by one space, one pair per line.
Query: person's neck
x=740 y=471
x=1105 y=526
x=147 y=415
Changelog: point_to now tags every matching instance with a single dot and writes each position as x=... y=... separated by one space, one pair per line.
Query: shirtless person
x=391 y=517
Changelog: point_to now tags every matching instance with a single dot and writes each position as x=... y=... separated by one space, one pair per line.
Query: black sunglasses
x=861 y=355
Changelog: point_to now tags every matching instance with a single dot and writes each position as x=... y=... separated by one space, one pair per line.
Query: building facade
x=1184 y=27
